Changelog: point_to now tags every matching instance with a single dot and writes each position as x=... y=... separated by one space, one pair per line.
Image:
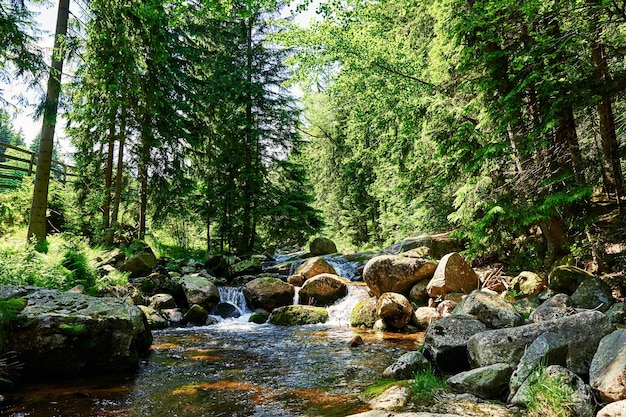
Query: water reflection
x=231 y=369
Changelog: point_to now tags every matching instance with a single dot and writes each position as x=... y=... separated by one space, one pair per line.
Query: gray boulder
x=138 y=265
x=323 y=290
x=445 y=343
x=155 y=320
x=617 y=313
x=424 y=317
x=418 y=294
x=388 y=273
x=162 y=301
x=322 y=246
x=438 y=245
x=583 y=332
x=196 y=315
x=547 y=349
x=200 y=290
x=489 y=308
x=394 y=309
x=250 y=266
x=296 y=315
x=227 y=310
x=406 y=366
x=607 y=374
x=59 y=333
x=268 y=293
x=582 y=401
x=566 y=278
x=556 y=307
x=593 y=294
x=489 y=382
x=453 y=274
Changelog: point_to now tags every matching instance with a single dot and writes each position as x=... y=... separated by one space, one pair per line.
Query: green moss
x=73 y=330
x=377 y=388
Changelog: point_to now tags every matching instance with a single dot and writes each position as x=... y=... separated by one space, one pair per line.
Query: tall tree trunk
x=611 y=163
x=119 y=169
x=108 y=180
x=246 y=231
x=39 y=205
x=144 y=155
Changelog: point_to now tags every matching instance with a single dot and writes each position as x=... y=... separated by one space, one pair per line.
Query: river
x=233 y=368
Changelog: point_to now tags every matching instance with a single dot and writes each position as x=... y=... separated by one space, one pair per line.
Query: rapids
x=232 y=368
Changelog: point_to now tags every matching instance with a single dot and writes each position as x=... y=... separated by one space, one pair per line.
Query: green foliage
x=378 y=387
x=426 y=385
x=73 y=330
x=551 y=396
x=66 y=263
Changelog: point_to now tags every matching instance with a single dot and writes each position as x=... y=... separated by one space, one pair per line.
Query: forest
x=229 y=127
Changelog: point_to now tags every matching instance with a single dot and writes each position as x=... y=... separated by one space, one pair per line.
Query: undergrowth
x=551 y=396
x=66 y=262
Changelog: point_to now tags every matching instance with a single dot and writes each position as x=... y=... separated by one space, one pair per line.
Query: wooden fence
x=17 y=163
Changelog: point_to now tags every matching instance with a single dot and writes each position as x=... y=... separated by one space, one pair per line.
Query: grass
x=377 y=388
x=552 y=396
x=426 y=386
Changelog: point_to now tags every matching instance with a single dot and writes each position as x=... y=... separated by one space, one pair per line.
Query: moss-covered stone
x=298 y=315
x=364 y=313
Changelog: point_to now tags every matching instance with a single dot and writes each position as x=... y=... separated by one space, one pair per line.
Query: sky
x=23 y=120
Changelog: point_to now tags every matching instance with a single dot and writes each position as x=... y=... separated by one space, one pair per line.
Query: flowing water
x=232 y=368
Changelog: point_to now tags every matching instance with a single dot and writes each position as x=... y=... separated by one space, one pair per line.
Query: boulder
x=268 y=293
x=396 y=397
x=315 y=266
x=394 y=309
x=138 y=265
x=155 y=320
x=438 y=245
x=553 y=308
x=453 y=274
x=323 y=290
x=445 y=343
x=259 y=316
x=583 y=332
x=110 y=257
x=424 y=317
x=607 y=374
x=388 y=273
x=364 y=313
x=59 y=333
x=295 y=315
x=322 y=246
x=296 y=280
x=196 y=315
x=174 y=316
x=446 y=307
x=616 y=409
x=489 y=308
x=200 y=290
x=250 y=266
x=406 y=366
x=356 y=341
x=527 y=284
x=580 y=405
x=593 y=294
x=617 y=313
x=418 y=294
x=547 y=349
x=217 y=265
x=227 y=311
x=488 y=382
x=526 y=306
x=567 y=278
x=162 y=301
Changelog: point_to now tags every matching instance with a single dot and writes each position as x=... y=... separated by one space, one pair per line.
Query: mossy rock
x=298 y=315
x=364 y=313
x=248 y=267
x=259 y=316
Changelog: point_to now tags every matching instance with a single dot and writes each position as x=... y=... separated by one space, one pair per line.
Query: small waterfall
x=296 y=295
x=234 y=296
x=344 y=267
x=339 y=313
